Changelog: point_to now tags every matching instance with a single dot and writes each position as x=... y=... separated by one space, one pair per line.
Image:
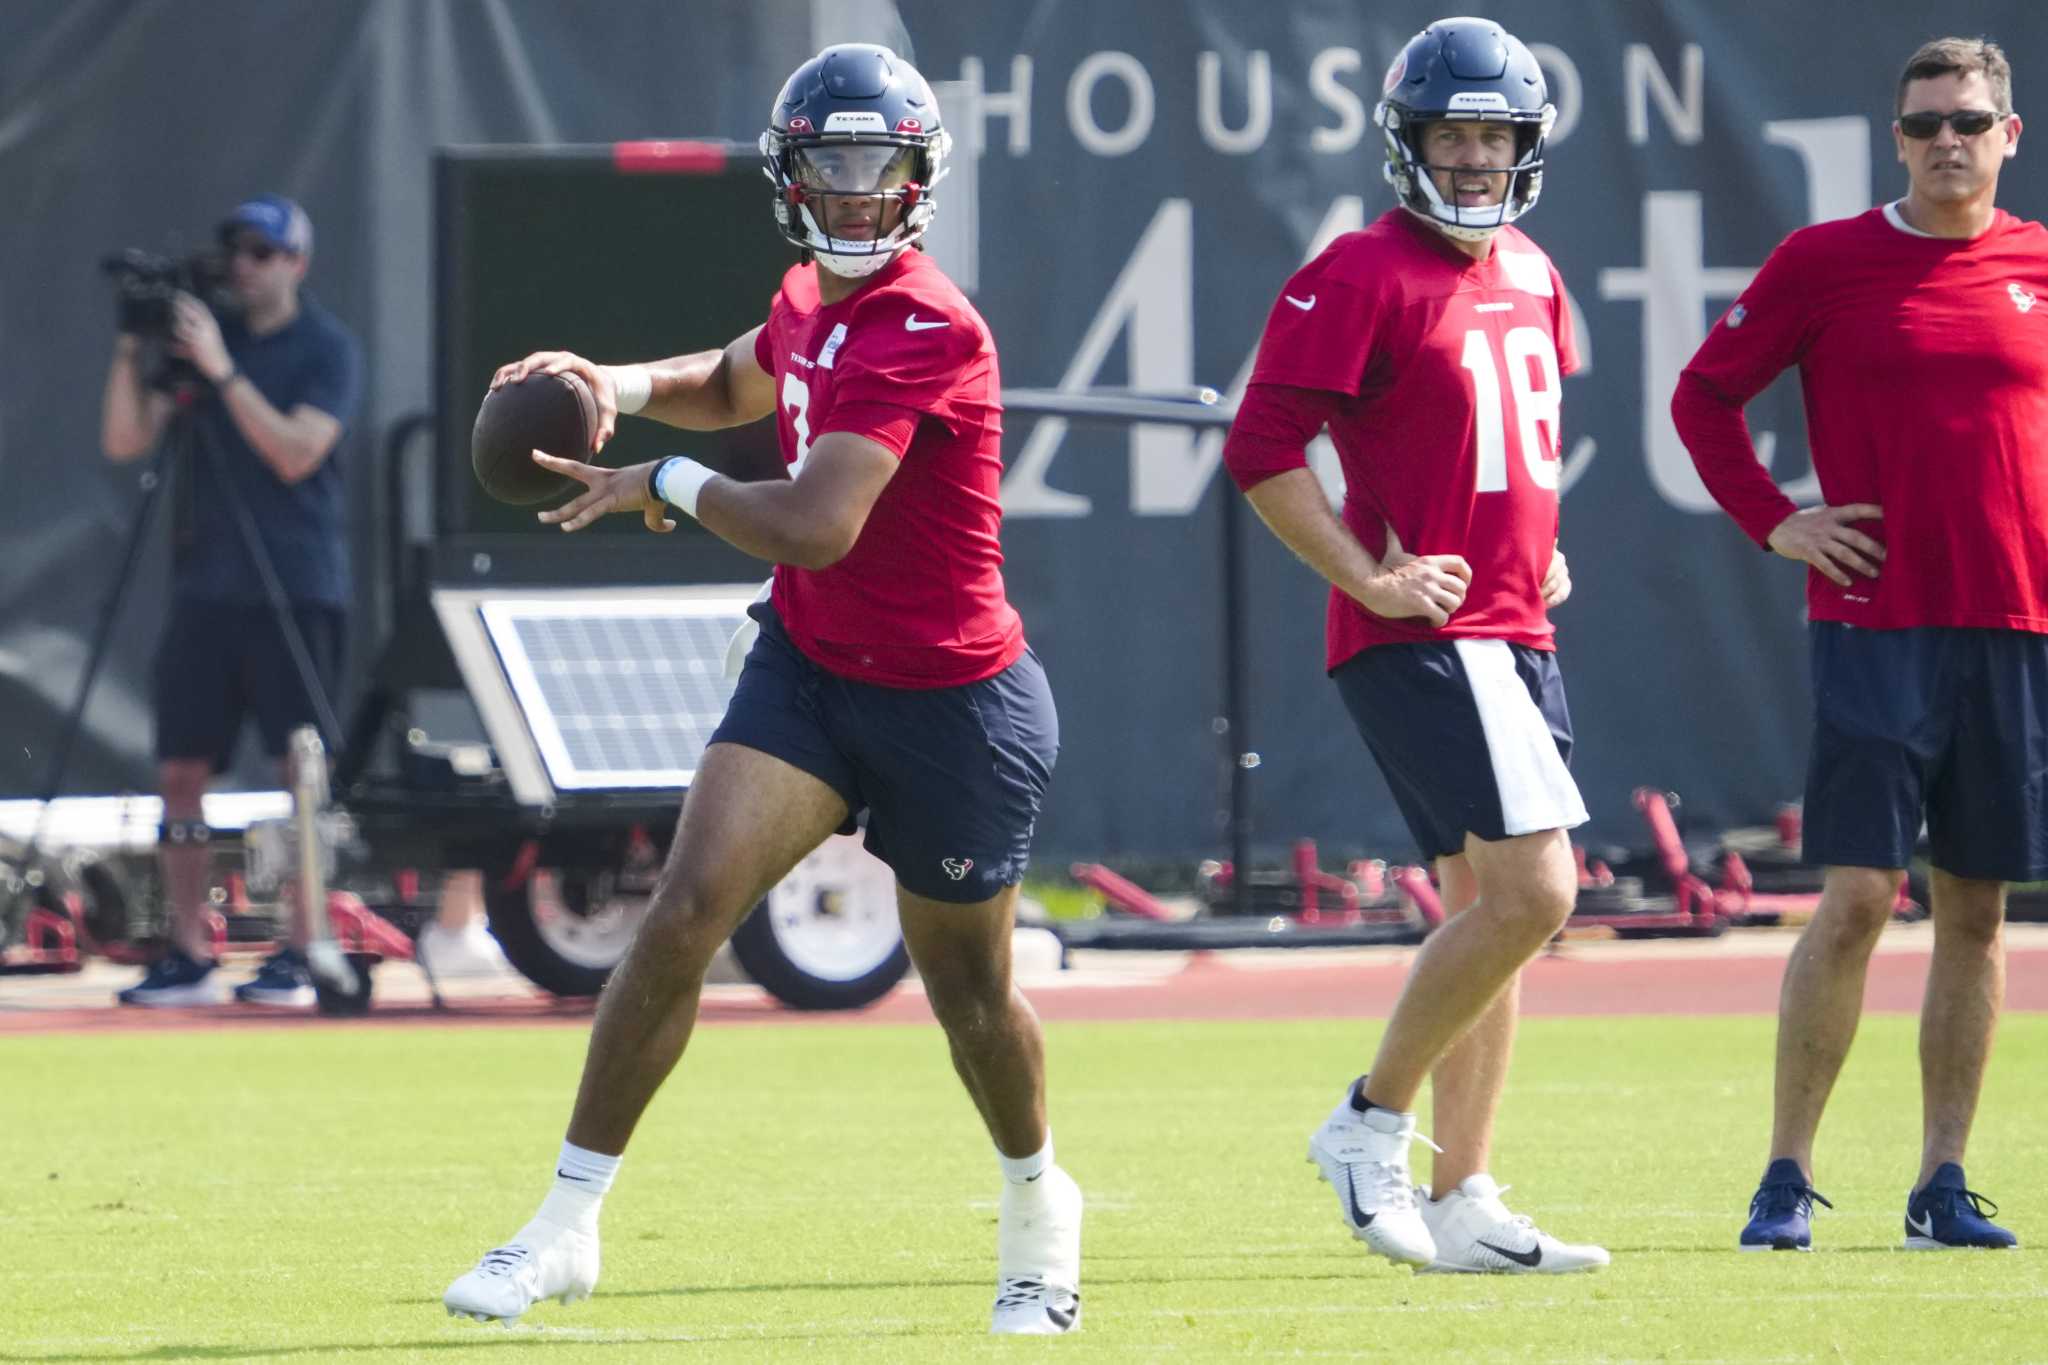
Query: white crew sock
x=1022 y=1170
x=581 y=1179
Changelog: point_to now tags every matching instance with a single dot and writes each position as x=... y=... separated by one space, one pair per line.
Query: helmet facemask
x=1408 y=169
x=854 y=200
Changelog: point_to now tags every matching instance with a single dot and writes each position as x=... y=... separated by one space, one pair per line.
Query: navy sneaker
x=284 y=979
x=1943 y=1216
x=175 y=979
x=1781 y=1214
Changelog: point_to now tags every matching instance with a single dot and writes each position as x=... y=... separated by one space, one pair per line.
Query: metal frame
x=1203 y=408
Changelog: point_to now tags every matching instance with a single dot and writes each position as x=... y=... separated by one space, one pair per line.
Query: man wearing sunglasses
x=281 y=383
x=1920 y=330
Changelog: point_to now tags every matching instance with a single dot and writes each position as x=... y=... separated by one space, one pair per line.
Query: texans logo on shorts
x=957 y=868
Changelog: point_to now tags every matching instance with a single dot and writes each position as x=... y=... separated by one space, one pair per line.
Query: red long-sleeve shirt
x=1924 y=365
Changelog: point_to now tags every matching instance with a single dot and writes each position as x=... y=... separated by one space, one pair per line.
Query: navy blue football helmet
x=1464 y=69
x=856 y=122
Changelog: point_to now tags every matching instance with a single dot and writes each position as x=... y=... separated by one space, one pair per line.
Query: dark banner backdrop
x=1134 y=183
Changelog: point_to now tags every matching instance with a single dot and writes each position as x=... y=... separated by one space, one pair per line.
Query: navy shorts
x=1473 y=736
x=1946 y=722
x=951 y=778
x=221 y=663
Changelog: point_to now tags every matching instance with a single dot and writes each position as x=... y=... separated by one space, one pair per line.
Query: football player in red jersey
x=1431 y=344
x=1920 y=330
x=889 y=674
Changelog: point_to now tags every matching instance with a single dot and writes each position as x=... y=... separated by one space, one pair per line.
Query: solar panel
x=618 y=691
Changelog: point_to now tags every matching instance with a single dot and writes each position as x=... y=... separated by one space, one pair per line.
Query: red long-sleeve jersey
x=1924 y=365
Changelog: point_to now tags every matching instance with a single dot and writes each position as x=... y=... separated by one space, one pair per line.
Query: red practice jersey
x=1438 y=376
x=1924 y=364
x=905 y=362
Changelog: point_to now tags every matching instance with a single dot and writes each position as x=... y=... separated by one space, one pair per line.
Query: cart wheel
x=827 y=937
x=564 y=930
x=109 y=907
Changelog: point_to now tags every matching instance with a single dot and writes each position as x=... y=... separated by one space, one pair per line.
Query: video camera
x=145 y=284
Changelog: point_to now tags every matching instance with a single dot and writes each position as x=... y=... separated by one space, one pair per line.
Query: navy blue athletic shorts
x=1473 y=736
x=221 y=663
x=1946 y=722
x=951 y=777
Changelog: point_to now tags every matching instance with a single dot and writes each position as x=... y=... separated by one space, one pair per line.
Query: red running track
x=1574 y=981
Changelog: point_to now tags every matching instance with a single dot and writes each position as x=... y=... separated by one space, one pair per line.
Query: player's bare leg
x=962 y=954
x=1467 y=1217
x=1527 y=885
x=748 y=819
x=1965 y=988
x=1466 y=1085
x=1821 y=1002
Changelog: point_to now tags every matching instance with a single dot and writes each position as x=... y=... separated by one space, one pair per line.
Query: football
x=551 y=412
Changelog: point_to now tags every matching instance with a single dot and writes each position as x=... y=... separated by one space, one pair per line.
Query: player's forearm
x=1294 y=506
x=1716 y=435
x=749 y=461
x=693 y=392
x=128 y=421
x=775 y=522
x=283 y=444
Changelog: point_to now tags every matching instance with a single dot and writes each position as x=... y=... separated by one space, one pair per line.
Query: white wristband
x=633 y=385
x=680 y=479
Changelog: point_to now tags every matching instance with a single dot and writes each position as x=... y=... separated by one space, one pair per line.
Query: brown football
x=550 y=412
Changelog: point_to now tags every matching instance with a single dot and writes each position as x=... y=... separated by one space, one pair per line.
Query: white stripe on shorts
x=1536 y=789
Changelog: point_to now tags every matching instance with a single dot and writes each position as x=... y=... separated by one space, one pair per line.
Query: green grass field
x=822 y=1193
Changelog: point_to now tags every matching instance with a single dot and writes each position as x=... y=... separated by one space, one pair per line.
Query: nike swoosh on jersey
x=1532 y=1258
x=911 y=324
x=1303 y=304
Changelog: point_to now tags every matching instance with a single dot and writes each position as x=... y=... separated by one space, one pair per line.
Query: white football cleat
x=1364 y=1157
x=544 y=1261
x=1475 y=1234
x=1038 y=1257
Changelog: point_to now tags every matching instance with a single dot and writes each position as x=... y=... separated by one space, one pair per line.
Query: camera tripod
x=171 y=458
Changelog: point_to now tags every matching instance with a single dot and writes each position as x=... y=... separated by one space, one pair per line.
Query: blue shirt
x=314 y=360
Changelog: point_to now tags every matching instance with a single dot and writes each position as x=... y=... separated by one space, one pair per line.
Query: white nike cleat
x=1364 y=1157
x=1475 y=1234
x=1038 y=1257
x=544 y=1261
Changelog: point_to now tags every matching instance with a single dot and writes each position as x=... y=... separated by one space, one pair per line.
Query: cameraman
x=278 y=380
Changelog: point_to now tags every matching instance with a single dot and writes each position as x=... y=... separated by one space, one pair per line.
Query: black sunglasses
x=1926 y=123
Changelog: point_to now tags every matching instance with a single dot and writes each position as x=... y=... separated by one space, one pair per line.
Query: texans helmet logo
x=909 y=125
x=957 y=868
x=799 y=124
x=1395 y=73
